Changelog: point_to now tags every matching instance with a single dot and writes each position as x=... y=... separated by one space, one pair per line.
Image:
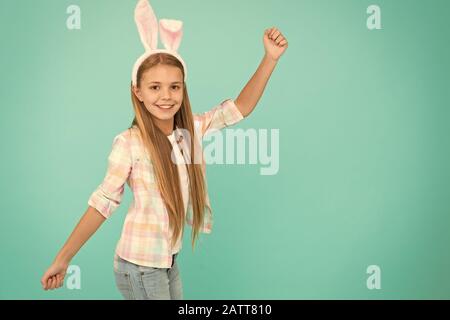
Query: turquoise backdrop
x=363 y=117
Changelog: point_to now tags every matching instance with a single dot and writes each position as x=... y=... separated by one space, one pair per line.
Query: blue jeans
x=137 y=282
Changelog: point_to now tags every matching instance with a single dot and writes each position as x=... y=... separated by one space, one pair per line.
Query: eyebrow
x=157 y=82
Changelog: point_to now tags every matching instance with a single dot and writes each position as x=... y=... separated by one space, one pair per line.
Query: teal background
x=364 y=152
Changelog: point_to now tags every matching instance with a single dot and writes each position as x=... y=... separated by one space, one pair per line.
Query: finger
x=272 y=31
x=53 y=283
x=49 y=283
x=61 y=281
x=279 y=39
x=275 y=34
x=283 y=42
x=58 y=281
x=43 y=281
x=45 y=278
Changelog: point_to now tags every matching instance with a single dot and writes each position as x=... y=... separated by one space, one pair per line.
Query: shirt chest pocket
x=143 y=173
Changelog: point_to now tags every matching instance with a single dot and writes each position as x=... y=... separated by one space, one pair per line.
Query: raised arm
x=275 y=45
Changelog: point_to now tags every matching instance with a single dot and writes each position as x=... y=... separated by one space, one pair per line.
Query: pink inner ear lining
x=145 y=27
x=170 y=38
x=171 y=33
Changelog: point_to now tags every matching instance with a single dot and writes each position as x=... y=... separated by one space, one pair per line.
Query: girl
x=154 y=157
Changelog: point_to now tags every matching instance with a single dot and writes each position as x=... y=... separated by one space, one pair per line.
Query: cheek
x=149 y=98
x=178 y=108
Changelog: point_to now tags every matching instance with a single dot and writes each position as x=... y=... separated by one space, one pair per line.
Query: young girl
x=154 y=157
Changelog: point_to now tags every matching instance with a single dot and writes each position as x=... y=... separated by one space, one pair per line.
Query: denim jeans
x=137 y=282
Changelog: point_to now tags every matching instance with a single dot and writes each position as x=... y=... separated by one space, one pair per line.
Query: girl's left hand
x=274 y=43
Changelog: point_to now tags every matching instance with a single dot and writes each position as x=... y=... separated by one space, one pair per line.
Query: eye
x=174 y=87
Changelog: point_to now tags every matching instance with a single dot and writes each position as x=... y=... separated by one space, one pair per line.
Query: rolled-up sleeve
x=108 y=195
x=224 y=115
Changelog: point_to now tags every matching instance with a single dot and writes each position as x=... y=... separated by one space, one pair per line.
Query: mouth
x=165 y=106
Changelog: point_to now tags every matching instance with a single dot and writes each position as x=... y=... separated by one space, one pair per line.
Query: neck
x=166 y=126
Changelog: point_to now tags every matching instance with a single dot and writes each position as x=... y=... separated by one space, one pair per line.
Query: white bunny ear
x=147 y=25
x=171 y=32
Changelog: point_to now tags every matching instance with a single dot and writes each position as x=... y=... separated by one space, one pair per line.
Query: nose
x=165 y=93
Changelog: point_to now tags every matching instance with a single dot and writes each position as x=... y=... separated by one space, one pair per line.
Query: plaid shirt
x=145 y=238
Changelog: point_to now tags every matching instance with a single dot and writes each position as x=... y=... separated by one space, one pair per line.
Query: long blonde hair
x=159 y=149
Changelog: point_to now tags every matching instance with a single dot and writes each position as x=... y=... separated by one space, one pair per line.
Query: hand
x=275 y=43
x=53 y=278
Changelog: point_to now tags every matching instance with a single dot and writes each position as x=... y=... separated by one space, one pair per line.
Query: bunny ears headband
x=171 y=32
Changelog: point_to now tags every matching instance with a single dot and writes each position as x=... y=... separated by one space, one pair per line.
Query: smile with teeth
x=164 y=106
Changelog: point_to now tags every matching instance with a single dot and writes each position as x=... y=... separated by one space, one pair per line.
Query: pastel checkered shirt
x=146 y=238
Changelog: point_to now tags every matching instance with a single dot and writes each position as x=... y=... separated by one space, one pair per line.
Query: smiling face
x=161 y=91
